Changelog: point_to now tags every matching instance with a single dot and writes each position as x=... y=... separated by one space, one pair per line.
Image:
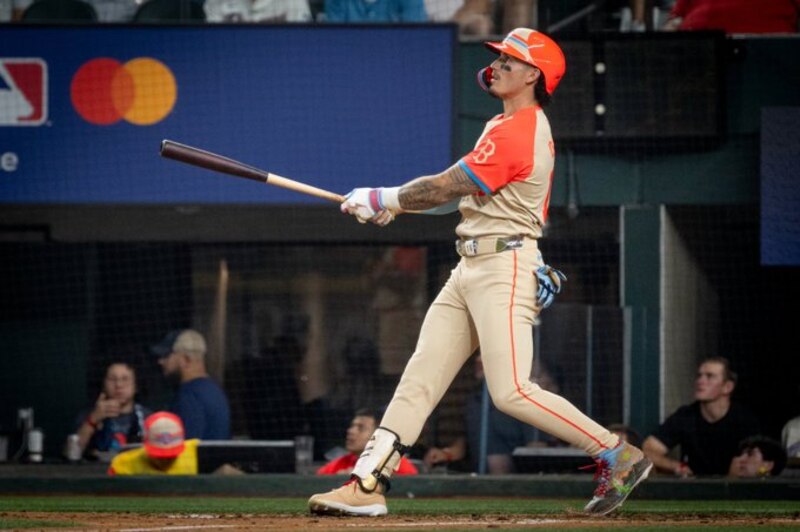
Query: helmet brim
x=501 y=48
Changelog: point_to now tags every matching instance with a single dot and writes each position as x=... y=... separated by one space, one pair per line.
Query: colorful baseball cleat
x=619 y=470
x=350 y=500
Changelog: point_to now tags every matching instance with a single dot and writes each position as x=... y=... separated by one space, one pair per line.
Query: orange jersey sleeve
x=504 y=153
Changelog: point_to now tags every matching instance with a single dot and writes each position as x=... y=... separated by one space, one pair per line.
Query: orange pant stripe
x=514 y=362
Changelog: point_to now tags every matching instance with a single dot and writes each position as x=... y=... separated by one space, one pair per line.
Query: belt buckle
x=467 y=248
x=503 y=244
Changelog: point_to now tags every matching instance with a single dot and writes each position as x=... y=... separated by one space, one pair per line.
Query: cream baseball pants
x=489 y=301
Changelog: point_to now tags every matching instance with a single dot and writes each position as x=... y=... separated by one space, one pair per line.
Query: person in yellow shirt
x=165 y=451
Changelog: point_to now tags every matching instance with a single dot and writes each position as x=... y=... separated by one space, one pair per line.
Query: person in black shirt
x=708 y=430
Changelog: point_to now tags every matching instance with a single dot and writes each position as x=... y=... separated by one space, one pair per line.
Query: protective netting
x=310 y=316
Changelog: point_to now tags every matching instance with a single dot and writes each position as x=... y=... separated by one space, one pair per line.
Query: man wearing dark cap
x=201 y=403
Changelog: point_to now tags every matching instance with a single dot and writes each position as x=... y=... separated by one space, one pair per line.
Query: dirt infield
x=130 y=522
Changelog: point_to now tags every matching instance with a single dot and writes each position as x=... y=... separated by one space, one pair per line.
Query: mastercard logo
x=142 y=91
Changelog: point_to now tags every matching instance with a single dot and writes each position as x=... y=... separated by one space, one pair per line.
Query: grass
x=446 y=506
x=17 y=524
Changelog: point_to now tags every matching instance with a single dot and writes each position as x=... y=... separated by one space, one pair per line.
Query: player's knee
x=505 y=398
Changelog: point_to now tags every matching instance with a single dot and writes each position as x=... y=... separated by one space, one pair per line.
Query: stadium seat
x=170 y=11
x=59 y=11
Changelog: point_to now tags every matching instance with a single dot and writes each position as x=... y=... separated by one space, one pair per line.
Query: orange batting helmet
x=537 y=49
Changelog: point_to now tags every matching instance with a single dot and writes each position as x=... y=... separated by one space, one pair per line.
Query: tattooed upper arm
x=431 y=191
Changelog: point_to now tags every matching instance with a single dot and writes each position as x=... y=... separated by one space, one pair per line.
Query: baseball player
x=502 y=189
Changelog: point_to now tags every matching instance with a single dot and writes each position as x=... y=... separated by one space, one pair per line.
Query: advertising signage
x=83 y=109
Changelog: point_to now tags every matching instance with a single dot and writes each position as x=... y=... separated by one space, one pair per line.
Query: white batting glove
x=361 y=203
x=367 y=205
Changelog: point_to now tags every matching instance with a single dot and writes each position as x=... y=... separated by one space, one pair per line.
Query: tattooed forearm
x=419 y=194
x=431 y=191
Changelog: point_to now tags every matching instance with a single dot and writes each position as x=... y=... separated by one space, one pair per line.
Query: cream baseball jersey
x=513 y=164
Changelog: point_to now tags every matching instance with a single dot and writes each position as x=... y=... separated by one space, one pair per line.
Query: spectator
x=790 y=436
x=455 y=452
x=257 y=10
x=11 y=10
x=228 y=10
x=758 y=456
x=201 y=404
x=708 y=430
x=361 y=428
x=375 y=11
x=735 y=16
x=477 y=17
x=359 y=361
x=281 y=11
x=398 y=280
x=116 y=419
x=271 y=401
x=165 y=451
x=114 y=10
x=442 y=10
x=633 y=17
x=518 y=13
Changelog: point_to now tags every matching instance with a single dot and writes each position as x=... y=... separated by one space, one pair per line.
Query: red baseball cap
x=537 y=49
x=163 y=435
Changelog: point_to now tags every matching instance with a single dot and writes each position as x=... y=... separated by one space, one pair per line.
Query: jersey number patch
x=484 y=150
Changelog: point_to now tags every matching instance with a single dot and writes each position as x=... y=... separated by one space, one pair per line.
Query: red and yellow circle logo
x=142 y=91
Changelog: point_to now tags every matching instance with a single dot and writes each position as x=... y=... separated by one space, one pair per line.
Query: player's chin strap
x=381 y=457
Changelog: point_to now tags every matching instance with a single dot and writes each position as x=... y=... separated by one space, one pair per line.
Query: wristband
x=89 y=422
x=390 y=198
x=448 y=456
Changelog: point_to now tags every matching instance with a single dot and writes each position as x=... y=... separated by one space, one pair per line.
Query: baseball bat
x=218 y=163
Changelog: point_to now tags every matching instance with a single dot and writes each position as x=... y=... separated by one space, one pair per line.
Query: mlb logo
x=23 y=91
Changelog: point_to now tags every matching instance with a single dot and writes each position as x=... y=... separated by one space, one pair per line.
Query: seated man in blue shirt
x=201 y=404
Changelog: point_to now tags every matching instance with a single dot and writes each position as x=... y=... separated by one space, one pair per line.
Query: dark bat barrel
x=211 y=161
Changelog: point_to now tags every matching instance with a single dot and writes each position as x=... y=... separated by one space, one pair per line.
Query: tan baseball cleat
x=619 y=470
x=350 y=499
